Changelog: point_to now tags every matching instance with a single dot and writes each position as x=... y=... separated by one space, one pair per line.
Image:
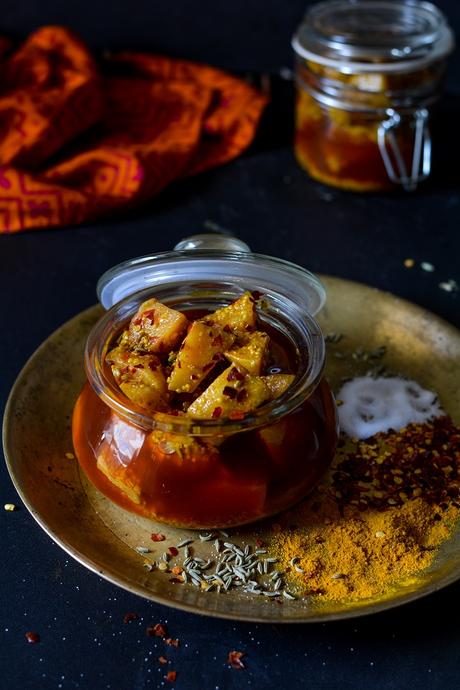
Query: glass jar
x=216 y=472
x=367 y=74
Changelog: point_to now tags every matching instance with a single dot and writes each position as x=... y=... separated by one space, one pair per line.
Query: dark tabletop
x=46 y=277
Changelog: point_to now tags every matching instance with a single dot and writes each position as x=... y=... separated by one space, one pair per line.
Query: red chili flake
x=235 y=375
x=237 y=414
x=230 y=392
x=171 y=676
x=173 y=551
x=128 y=617
x=177 y=570
x=234 y=659
x=217 y=411
x=260 y=543
x=217 y=341
x=157 y=630
x=227 y=328
x=156 y=536
x=153 y=366
x=176 y=580
x=207 y=366
x=256 y=294
x=194 y=377
x=241 y=395
x=32 y=637
x=162 y=660
x=172 y=642
x=218 y=357
x=150 y=315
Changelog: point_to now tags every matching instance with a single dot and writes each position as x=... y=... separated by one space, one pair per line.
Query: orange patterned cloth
x=77 y=142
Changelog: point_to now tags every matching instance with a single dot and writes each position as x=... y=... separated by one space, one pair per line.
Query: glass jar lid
x=368 y=35
x=208 y=258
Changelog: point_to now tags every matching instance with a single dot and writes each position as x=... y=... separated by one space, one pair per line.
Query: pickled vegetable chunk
x=234 y=391
x=140 y=377
x=278 y=383
x=156 y=328
x=239 y=317
x=253 y=354
x=199 y=353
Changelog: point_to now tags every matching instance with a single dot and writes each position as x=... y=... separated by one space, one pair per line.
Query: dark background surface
x=46 y=277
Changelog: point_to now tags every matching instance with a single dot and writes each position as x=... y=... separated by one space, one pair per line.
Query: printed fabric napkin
x=79 y=140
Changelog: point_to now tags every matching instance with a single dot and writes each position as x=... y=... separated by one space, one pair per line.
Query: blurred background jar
x=368 y=73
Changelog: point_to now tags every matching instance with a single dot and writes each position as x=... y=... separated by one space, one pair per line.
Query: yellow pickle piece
x=235 y=390
x=202 y=348
x=278 y=383
x=156 y=328
x=253 y=354
x=140 y=377
x=239 y=317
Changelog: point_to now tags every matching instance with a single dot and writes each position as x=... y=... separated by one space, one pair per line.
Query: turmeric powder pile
x=378 y=518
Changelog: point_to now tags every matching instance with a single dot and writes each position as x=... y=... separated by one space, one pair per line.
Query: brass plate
x=103 y=537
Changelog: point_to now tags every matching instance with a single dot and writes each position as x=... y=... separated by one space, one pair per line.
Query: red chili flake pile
x=32 y=637
x=158 y=630
x=156 y=536
x=234 y=660
x=128 y=617
x=171 y=676
x=422 y=460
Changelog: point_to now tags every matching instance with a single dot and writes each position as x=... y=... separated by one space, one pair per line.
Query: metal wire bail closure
x=391 y=153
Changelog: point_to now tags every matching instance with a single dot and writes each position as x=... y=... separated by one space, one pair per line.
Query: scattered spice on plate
x=379 y=516
x=171 y=676
x=128 y=617
x=32 y=637
x=156 y=536
x=235 y=660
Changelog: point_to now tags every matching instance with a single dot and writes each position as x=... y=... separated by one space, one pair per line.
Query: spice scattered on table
x=129 y=617
x=427 y=266
x=449 y=285
x=10 y=507
x=171 y=676
x=409 y=263
x=32 y=637
x=163 y=660
x=235 y=660
x=158 y=630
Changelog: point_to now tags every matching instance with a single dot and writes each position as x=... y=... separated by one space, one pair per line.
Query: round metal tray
x=103 y=537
